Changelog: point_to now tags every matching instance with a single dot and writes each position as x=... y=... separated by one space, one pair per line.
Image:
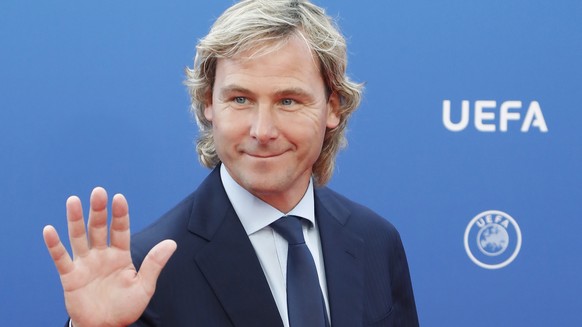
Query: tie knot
x=291 y=228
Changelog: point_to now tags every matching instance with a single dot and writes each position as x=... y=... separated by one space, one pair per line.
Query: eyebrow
x=292 y=91
x=233 y=88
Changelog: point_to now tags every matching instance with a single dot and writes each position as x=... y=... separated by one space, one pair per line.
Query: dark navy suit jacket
x=215 y=279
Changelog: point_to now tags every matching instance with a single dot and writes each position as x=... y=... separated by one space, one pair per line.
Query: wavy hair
x=261 y=26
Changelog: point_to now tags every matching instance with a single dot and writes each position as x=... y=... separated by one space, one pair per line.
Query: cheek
x=229 y=128
x=306 y=133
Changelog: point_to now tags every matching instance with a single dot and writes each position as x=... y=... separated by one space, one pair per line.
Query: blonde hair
x=258 y=26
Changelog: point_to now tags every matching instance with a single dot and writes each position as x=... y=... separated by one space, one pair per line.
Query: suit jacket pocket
x=384 y=320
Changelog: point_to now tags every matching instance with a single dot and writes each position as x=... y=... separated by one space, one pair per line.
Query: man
x=272 y=100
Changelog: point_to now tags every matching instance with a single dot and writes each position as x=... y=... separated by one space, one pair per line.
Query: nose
x=264 y=124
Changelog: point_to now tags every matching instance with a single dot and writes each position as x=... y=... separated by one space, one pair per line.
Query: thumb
x=153 y=263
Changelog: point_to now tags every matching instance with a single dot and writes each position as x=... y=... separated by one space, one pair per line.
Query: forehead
x=286 y=61
x=293 y=45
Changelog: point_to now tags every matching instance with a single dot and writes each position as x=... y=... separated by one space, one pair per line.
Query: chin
x=263 y=187
x=264 y=183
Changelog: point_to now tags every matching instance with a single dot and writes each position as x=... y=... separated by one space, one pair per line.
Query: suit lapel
x=228 y=261
x=342 y=259
x=232 y=269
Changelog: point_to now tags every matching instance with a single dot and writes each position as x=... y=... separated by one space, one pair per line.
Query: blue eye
x=240 y=100
x=287 y=102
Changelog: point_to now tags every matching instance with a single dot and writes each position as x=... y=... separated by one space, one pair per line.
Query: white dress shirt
x=271 y=248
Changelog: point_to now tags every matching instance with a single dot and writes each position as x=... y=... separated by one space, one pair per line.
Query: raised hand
x=100 y=284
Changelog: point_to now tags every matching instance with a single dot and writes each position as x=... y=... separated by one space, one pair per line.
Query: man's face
x=269 y=115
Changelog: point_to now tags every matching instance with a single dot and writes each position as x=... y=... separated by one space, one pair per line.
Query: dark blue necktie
x=305 y=304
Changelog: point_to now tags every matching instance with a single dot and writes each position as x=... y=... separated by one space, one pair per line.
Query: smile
x=264 y=155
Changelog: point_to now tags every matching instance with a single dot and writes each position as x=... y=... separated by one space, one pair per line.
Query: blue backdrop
x=91 y=94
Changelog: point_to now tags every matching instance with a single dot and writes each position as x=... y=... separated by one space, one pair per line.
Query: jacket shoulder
x=170 y=225
x=357 y=215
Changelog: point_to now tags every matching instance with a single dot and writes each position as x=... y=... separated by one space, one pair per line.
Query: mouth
x=264 y=155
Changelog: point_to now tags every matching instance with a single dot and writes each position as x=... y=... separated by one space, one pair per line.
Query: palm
x=107 y=275
x=101 y=285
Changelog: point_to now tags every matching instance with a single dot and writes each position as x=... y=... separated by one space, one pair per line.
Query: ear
x=333 y=107
x=208 y=113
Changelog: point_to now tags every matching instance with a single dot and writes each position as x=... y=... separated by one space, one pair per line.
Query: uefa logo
x=492 y=239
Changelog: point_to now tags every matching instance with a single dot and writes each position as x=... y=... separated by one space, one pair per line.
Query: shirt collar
x=254 y=213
